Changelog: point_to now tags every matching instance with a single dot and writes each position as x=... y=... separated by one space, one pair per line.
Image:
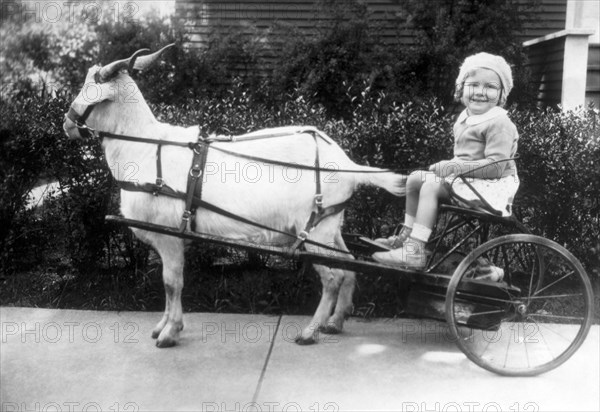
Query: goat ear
x=143 y=62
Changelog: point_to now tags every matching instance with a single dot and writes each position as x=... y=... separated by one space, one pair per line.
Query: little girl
x=483 y=133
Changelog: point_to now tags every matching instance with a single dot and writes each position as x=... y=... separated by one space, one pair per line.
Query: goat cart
x=526 y=321
x=516 y=304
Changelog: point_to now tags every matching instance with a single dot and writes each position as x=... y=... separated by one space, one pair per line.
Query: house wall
x=574 y=79
x=260 y=16
x=546 y=62
x=200 y=15
x=592 y=93
x=550 y=18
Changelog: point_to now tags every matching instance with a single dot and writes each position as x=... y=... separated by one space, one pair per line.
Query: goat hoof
x=166 y=343
x=331 y=329
x=155 y=334
x=305 y=341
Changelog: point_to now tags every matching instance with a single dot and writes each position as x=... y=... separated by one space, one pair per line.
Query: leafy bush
x=332 y=65
x=35 y=147
x=346 y=51
x=560 y=174
x=447 y=31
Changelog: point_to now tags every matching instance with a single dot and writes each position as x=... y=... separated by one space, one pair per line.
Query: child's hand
x=444 y=168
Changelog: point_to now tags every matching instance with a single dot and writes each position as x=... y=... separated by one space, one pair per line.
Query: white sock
x=420 y=233
x=409 y=221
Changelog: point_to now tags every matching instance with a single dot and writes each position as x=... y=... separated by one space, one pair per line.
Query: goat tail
x=392 y=182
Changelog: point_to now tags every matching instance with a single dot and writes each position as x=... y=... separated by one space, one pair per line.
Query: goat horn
x=106 y=72
x=143 y=62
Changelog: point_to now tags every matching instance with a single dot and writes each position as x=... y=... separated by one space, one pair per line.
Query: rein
x=234 y=153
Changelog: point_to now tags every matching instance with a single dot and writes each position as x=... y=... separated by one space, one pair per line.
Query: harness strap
x=199 y=203
x=191 y=145
x=159 y=179
x=294 y=165
x=318 y=194
x=79 y=121
x=194 y=185
x=150 y=188
x=313 y=221
x=321 y=213
x=76 y=118
x=193 y=196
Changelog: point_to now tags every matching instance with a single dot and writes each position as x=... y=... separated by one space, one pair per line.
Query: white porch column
x=575 y=68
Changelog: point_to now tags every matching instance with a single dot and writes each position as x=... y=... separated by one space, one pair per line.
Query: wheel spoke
x=489 y=312
x=506 y=356
x=531 y=281
x=520 y=258
x=544 y=339
x=557 y=316
x=567 y=295
x=553 y=283
x=545 y=325
x=526 y=352
x=485 y=349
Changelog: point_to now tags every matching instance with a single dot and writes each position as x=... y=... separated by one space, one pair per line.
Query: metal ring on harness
x=195 y=171
x=319 y=199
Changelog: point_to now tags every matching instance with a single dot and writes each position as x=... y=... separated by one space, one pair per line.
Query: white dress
x=499 y=193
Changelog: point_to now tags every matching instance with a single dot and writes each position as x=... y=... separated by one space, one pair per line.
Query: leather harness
x=193 y=195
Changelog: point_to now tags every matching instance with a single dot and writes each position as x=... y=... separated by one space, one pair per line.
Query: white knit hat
x=485 y=61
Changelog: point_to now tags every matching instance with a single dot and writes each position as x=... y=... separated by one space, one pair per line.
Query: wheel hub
x=522 y=309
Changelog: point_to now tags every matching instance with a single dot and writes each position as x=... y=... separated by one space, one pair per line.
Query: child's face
x=481 y=91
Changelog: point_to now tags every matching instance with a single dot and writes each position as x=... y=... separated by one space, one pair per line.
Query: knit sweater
x=492 y=136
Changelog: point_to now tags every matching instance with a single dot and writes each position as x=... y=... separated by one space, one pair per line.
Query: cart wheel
x=529 y=322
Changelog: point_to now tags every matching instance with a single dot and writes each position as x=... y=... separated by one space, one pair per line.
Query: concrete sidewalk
x=69 y=360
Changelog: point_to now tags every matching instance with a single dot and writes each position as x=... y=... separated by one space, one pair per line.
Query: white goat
x=273 y=195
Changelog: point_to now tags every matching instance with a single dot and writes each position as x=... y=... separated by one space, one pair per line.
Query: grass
x=216 y=279
x=229 y=284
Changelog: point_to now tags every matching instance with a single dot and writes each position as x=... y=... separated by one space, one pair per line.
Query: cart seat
x=479 y=213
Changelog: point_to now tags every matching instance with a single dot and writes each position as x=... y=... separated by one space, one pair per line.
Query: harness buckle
x=319 y=199
x=84 y=130
x=302 y=235
x=186 y=215
x=197 y=147
x=158 y=186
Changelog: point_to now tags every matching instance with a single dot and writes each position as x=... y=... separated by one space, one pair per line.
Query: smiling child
x=483 y=135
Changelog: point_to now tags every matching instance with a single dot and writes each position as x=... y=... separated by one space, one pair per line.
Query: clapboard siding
x=200 y=15
x=592 y=89
x=546 y=64
x=550 y=18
